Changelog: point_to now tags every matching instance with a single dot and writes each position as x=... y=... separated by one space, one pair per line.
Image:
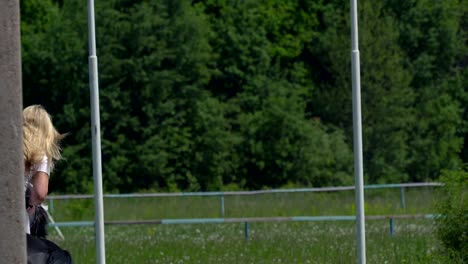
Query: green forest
x=250 y=94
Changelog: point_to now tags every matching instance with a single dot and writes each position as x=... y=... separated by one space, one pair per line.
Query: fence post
x=391 y=227
x=51 y=205
x=246 y=230
x=402 y=198
x=222 y=206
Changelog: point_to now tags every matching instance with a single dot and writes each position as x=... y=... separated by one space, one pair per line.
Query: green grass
x=414 y=240
x=377 y=202
x=291 y=242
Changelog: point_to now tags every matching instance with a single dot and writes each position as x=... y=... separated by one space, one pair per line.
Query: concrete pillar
x=12 y=205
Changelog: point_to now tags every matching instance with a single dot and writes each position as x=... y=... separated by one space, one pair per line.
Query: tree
x=452 y=221
x=55 y=75
x=266 y=85
x=281 y=146
x=431 y=40
x=387 y=113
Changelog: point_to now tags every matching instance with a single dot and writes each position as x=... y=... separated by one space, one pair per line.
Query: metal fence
x=246 y=220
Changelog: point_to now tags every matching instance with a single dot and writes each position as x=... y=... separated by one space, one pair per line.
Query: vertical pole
x=12 y=209
x=357 y=134
x=222 y=206
x=246 y=230
x=402 y=198
x=96 y=138
x=51 y=205
x=391 y=227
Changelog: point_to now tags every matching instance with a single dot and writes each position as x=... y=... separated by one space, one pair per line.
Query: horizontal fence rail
x=231 y=193
x=242 y=220
x=245 y=220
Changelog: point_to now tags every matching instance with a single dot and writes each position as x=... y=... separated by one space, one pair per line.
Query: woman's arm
x=40 y=182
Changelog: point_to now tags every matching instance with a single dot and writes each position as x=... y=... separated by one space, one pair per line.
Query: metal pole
x=222 y=206
x=96 y=138
x=357 y=134
x=12 y=209
x=391 y=227
x=402 y=198
x=246 y=231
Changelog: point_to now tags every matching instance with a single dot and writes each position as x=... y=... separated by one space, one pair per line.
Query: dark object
x=27 y=193
x=39 y=249
x=39 y=223
x=43 y=251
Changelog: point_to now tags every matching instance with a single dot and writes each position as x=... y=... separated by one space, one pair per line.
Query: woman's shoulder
x=42 y=165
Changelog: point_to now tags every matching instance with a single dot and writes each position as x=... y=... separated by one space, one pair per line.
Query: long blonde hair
x=40 y=137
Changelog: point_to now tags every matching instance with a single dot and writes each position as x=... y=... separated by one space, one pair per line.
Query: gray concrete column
x=12 y=205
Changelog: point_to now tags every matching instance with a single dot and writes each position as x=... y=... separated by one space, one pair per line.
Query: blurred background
x=256 y=94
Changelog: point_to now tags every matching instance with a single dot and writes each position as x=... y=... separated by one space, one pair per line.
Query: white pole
x=96 y=138
x=357 y=134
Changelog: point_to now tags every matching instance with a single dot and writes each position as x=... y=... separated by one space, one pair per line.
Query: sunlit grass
x=413 y=240
x=291 y=242
x=377 y=202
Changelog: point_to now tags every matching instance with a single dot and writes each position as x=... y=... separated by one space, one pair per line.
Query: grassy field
x=413 y=241
x=377 y=202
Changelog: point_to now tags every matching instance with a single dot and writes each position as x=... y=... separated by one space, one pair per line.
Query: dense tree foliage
x=452 y=220
x=217 y=95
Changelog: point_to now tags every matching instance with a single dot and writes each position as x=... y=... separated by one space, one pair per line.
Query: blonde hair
x=40 y=138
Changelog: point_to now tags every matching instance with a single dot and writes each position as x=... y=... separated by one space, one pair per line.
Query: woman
x=41 y=151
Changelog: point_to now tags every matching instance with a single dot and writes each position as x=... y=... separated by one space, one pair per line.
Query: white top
x=42 y=166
